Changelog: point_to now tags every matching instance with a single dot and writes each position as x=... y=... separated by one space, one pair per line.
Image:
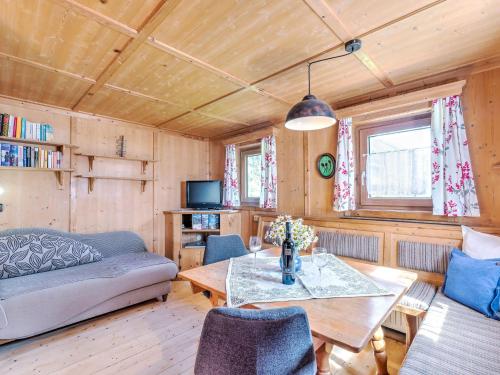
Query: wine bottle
x=288 y=257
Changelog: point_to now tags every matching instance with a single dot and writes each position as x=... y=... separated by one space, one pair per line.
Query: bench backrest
x=420 y=247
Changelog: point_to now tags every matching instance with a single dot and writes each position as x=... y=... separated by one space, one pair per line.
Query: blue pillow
x=474 y=283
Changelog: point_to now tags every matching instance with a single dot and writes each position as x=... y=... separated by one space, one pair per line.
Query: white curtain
x=269 y=179
x=344 y=188
x=453 y=189
x=402 y=173
x=231 y=195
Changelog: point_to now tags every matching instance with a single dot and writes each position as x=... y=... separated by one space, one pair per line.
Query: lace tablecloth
x=246 y=285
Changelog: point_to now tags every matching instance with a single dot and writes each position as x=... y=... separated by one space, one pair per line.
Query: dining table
x=351 y=323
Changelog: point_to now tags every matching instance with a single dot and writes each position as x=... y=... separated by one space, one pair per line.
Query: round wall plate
x=326 y=165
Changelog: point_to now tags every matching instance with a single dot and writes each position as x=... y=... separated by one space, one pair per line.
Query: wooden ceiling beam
x=156 y=17
x=331 y=49
x=151 y=41
x=328 y=16
x=113 y=87
x=48 y=68
x=97 y=17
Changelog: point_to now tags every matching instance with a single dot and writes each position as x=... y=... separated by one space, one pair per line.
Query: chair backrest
x=247 y=341
x=220 y=248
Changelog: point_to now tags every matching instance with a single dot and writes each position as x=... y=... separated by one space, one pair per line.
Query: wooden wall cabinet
x=179 y=233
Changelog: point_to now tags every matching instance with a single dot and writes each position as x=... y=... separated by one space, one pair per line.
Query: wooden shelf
x=59 y=172
x=201 y=230
x=91 y=180
x=92 y=157
x=35 y=142
x=496 y=166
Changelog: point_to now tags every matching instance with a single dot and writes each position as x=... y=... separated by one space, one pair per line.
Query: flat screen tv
x=204 y=195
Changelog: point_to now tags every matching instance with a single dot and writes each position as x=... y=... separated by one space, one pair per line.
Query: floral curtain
x=231 y=195
x=344 y=187
x=269 y=179
x=453 y=189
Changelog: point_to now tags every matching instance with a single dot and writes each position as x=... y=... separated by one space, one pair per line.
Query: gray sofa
x=454 y=339
x=126 y=275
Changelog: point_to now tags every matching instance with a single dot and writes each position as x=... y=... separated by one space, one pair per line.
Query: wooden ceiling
x=209 y=67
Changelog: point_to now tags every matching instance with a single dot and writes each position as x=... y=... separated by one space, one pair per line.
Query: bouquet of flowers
x=302 y=235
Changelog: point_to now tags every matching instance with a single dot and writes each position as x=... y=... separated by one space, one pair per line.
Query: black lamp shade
x=310 y=114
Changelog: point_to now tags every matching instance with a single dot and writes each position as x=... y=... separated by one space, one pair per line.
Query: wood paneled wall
x=113 y=204
x=302 y=191
x=181 y=159
x=33 y=199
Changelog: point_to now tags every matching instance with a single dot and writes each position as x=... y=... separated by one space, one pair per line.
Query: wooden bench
x=420 y=247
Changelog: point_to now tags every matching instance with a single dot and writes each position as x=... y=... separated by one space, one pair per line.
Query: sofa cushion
x=25 y=254
x=480 y=245
x=454 y=339
x=474 y=283
x=357 y=246
x=108 y=243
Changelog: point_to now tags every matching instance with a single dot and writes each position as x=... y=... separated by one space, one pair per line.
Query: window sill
x=250 y=207
x=400 y=214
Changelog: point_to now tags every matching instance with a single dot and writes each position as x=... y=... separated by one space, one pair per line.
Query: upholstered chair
x=220 y=248
x=253 y=342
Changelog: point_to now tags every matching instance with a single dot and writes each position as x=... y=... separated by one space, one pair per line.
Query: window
x=250 y=161
x=395 y=164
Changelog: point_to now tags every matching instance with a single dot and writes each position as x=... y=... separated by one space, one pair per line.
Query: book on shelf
x=21 y=128
x=196 y=221
x=213 y=221
x=13 y=155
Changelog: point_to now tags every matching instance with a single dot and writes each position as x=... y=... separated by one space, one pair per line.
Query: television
x=204 y=195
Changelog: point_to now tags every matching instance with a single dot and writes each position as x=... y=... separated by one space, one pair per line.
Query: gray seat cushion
x=105 y=269
x=419 y=296
x=454 y=339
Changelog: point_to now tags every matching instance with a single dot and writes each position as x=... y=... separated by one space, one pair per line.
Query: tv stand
x=184 y=242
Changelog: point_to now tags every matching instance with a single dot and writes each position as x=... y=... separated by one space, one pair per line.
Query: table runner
x=246 y=286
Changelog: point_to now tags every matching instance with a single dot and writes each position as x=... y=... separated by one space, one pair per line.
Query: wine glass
x=319 y=259
x=254 y=245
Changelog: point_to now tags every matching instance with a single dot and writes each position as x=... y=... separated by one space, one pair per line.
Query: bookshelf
x=35 y=142
x=92 y=157
x=91 y=179
x=59 y=172
x=180 y=237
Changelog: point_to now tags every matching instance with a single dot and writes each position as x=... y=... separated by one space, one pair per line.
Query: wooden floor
x=151 y=338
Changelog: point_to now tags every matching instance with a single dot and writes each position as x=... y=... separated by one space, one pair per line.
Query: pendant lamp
x=312 y=113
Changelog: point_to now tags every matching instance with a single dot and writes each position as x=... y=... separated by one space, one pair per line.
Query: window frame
x=245 y=151
x=362 y=134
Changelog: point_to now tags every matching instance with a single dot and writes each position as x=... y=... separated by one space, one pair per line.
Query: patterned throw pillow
x=30 y=253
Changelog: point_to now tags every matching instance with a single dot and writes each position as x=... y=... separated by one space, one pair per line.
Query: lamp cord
x=318 y=61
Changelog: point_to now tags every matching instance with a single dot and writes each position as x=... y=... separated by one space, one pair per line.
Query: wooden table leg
x=214 y=299
x=323 y=358
x=378 y=345
x=411 y=329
